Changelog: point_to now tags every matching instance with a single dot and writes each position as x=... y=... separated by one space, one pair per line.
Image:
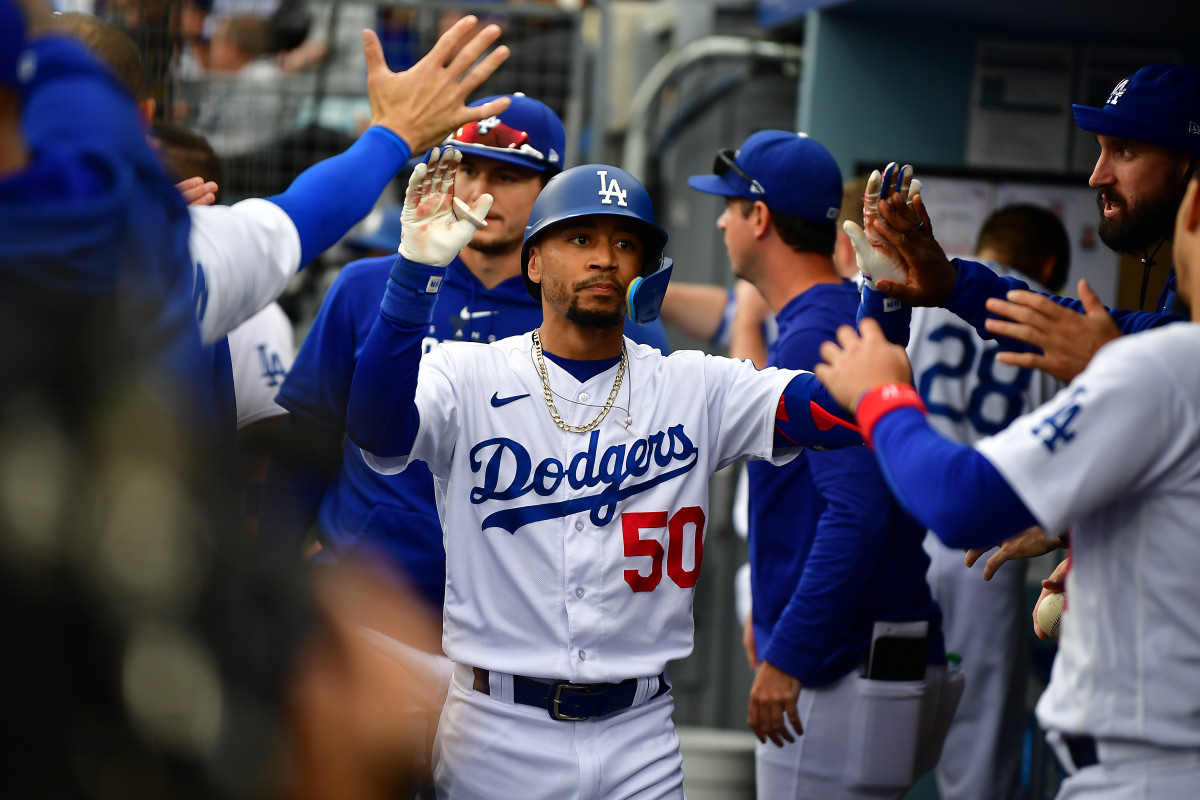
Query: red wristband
x=882 y=399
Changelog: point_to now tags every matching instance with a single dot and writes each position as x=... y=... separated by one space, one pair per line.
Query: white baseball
x=1049 y=613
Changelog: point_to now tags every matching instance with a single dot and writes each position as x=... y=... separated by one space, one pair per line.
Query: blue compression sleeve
x=893 y=316
x=382 y=416
x=808 y=416
x=950 y=487
x=328 y=198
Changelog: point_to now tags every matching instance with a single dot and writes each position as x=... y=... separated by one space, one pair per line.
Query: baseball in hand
x=1049 y=614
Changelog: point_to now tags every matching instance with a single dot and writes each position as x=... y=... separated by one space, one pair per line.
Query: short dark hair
x=1023 y=236
x=185 y=153
x=802 y=235
x=110 y=44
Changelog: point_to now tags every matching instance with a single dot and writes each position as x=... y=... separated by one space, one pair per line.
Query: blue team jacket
x=831 y=551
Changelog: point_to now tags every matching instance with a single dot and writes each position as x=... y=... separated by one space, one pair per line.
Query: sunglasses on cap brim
x=723 y=164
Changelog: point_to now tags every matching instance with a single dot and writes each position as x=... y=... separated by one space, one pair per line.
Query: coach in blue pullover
x=831 y=553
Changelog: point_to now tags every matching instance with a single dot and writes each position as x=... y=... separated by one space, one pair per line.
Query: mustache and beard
x=1137 y=228
x=598 y=318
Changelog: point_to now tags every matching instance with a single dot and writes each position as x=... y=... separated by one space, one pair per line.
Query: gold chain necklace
x=612 y=396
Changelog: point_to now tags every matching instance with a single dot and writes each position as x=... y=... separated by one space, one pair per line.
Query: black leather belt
x=571 y=702
x=1082 y=750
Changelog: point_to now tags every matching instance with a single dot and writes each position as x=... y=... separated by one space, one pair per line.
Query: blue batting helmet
x=594 y=190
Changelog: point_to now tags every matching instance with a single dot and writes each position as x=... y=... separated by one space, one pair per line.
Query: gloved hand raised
x=876 y=258
x=436 y=225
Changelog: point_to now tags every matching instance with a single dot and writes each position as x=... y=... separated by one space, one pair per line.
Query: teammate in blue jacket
x=831 y=552
x=482 y=299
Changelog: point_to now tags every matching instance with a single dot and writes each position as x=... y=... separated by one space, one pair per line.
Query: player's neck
x=565 y=339
x=794 y=274
x=492 y=268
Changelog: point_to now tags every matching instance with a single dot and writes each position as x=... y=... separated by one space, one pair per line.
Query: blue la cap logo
x=1117 y=91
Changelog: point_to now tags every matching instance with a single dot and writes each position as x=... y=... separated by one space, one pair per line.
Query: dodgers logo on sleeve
x=1056 y=428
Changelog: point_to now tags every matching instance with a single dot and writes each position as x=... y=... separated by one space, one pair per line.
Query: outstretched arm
x=871 y=375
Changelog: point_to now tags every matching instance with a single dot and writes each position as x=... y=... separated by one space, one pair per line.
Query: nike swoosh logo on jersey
x=498 y=401
x=467 y=314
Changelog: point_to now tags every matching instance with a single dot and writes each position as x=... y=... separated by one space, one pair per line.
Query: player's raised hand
x=427 y=101
x=857 y=363
x=876 y=258
x=437 y=225
x=1067 y=339
x=927 y=277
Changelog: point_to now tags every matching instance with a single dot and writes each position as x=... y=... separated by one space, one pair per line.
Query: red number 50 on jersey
x=632 y=525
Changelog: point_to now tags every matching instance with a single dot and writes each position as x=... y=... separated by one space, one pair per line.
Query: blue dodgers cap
x=1158 y=104
x=386 y=237
x=790 y=172
x=528 y=134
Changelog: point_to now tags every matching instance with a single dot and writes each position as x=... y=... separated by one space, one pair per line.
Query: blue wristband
x=893 y=317
x=411 y=291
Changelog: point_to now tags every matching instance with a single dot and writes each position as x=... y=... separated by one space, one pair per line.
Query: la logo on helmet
x=610 y=190
x=486 y=125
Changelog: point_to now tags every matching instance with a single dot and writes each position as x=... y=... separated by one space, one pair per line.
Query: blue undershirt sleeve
x=893 y=317
x=382 y=416
x=949 y=487
x=328 y=198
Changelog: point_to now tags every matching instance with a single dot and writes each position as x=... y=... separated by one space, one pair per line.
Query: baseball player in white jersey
x=262 y=350
x=572 y=469
x=1116 y=454
x=970 y=395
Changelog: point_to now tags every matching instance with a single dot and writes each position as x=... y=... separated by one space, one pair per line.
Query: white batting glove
x=435 y=224
x=875 y=256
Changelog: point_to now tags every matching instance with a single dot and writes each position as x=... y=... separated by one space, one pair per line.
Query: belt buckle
x=559 y=686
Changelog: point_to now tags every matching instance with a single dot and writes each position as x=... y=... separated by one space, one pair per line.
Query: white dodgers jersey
x=242 y=257
x=575 y=556
x=1117 y=453
x=261 y=350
